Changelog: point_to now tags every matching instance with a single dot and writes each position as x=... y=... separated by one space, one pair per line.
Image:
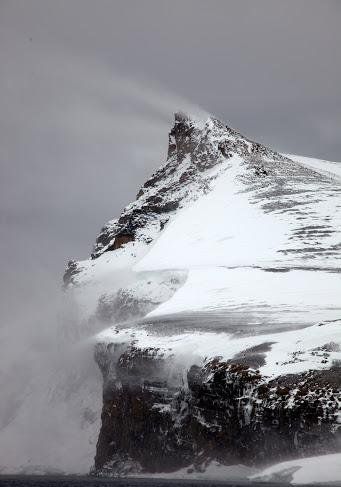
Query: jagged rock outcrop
x=193 y=150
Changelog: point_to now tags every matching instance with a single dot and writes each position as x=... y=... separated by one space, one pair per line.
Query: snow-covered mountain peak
x=198 y=152
x=218 y=295
x=221 y=201
x=206 y=141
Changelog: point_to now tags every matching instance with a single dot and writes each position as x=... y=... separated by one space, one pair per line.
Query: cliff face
x=226 y=412
x=220 y=342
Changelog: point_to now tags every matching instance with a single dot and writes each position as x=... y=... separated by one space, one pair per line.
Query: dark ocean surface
x=71 y=481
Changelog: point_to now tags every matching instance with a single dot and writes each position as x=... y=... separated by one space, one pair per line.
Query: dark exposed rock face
x=105 y=237
x=121 y=240
x=226 y=412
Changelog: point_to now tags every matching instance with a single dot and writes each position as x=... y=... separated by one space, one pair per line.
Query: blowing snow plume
x=81 y=130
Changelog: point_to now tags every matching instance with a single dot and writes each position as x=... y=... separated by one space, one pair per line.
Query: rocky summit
x=218 y=295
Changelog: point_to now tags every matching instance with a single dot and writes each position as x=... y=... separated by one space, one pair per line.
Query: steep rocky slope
x=218 y=294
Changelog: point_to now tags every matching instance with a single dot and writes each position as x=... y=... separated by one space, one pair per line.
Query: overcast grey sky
x=87 y=91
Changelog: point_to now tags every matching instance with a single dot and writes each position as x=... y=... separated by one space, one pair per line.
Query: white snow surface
x=324 y=469
x=256 y=296
x=228 y=227
x=216 y=229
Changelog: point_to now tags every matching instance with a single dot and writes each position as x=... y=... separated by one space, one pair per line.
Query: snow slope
x=256 y=298
x=231 y=247
x=216 y=230
x=295 y=222
x=320 y=469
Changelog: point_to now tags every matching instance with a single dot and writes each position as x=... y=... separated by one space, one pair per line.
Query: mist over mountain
x=211 y=307
x=218 y=288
